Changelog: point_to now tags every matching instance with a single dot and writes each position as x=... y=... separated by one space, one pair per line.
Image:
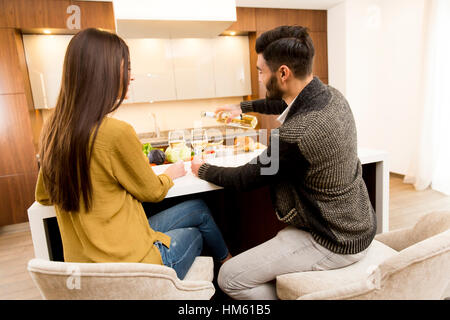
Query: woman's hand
x=234 y=110
x=196 y=164
x=176 y=170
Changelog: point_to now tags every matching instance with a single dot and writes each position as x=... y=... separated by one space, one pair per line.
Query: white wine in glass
x=176 y=139
x=199 y=140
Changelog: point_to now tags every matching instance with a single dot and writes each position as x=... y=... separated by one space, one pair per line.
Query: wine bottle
x=245 y=121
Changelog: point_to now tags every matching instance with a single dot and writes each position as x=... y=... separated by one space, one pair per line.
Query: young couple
x=94 y=172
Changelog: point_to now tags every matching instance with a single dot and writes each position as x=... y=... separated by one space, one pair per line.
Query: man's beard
x=273 y=90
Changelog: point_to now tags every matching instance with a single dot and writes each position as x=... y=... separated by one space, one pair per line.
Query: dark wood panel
x=314 y=20
x=267 y=19
x=17 y=195
x=16 y=146
x=320 y=66
x=11 y=77
x=253 y=72
x=96 y=14
x=41 y=13
x=32 y=14
x=257 y=219
x=7 y=13
x=24 y=69
x=245 y=20
x=35 y=115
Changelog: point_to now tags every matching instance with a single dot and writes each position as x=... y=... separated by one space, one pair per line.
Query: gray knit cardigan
x=318 y=186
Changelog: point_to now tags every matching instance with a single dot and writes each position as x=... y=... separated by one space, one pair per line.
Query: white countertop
x=190 y=184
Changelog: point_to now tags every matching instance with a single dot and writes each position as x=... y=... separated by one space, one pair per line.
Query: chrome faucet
x=155 y=125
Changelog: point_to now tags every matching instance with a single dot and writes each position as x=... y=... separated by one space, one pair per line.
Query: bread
x=244 y=143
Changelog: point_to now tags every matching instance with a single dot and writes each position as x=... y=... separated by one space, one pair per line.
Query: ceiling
x=289 y=4
x=285 y=4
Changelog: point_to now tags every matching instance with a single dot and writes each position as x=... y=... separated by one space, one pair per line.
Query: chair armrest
x=201 y=270
x=397 y=239
x=351 y=291
x=426 y=227
x=117 y=280
x=418 y=252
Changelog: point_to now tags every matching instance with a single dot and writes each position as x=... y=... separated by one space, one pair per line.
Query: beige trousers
x=251 y=275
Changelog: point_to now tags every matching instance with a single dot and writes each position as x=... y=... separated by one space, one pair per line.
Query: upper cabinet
x=189 y=68
x=45 y=59
x=232 y=66
x=194 y=68
x=163 y=69
x=152 y=70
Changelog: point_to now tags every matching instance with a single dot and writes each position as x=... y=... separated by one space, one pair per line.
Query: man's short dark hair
x=288 y=45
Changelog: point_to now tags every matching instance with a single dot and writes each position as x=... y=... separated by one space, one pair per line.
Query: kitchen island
x=246 y=219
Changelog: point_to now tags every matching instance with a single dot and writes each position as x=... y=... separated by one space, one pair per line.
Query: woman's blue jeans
x=188 y=224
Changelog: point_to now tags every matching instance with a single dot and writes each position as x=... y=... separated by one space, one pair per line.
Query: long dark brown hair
x=94 y=83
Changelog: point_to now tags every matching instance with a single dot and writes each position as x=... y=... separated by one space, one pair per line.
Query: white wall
x=337 y=49
x=375 y=58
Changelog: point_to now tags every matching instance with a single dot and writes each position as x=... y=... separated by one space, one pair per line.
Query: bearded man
x=317 y=189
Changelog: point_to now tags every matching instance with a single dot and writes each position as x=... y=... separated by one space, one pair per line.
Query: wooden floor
x=16 y=248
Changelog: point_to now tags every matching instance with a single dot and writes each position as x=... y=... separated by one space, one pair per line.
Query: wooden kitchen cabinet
x=255 y=21
x=17 y=195
x=268 y=18
x=245 y=20
x=97 y=14
x=17 y=150
x=265 y=19
x=18 y=166
x=52 y=14
x=10 y=72
x=320 y=66
x=20 y=124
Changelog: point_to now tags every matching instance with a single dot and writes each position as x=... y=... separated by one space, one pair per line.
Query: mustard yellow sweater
x=116 y=229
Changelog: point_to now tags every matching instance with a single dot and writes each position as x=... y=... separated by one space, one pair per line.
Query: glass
x=199 y=140
x=176 y=139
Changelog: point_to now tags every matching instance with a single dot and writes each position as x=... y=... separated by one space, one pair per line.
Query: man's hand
x=233 y=109
x=176 y=170
x=195 y=164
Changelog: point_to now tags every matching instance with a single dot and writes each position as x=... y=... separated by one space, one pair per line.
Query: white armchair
x=124 y=281
x=406 y=264
x=64 y=280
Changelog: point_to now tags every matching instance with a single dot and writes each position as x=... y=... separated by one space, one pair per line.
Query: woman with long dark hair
x=94 y=172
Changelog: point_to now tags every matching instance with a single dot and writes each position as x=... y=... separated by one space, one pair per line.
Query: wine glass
x=176 y=139
x=199 y=140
